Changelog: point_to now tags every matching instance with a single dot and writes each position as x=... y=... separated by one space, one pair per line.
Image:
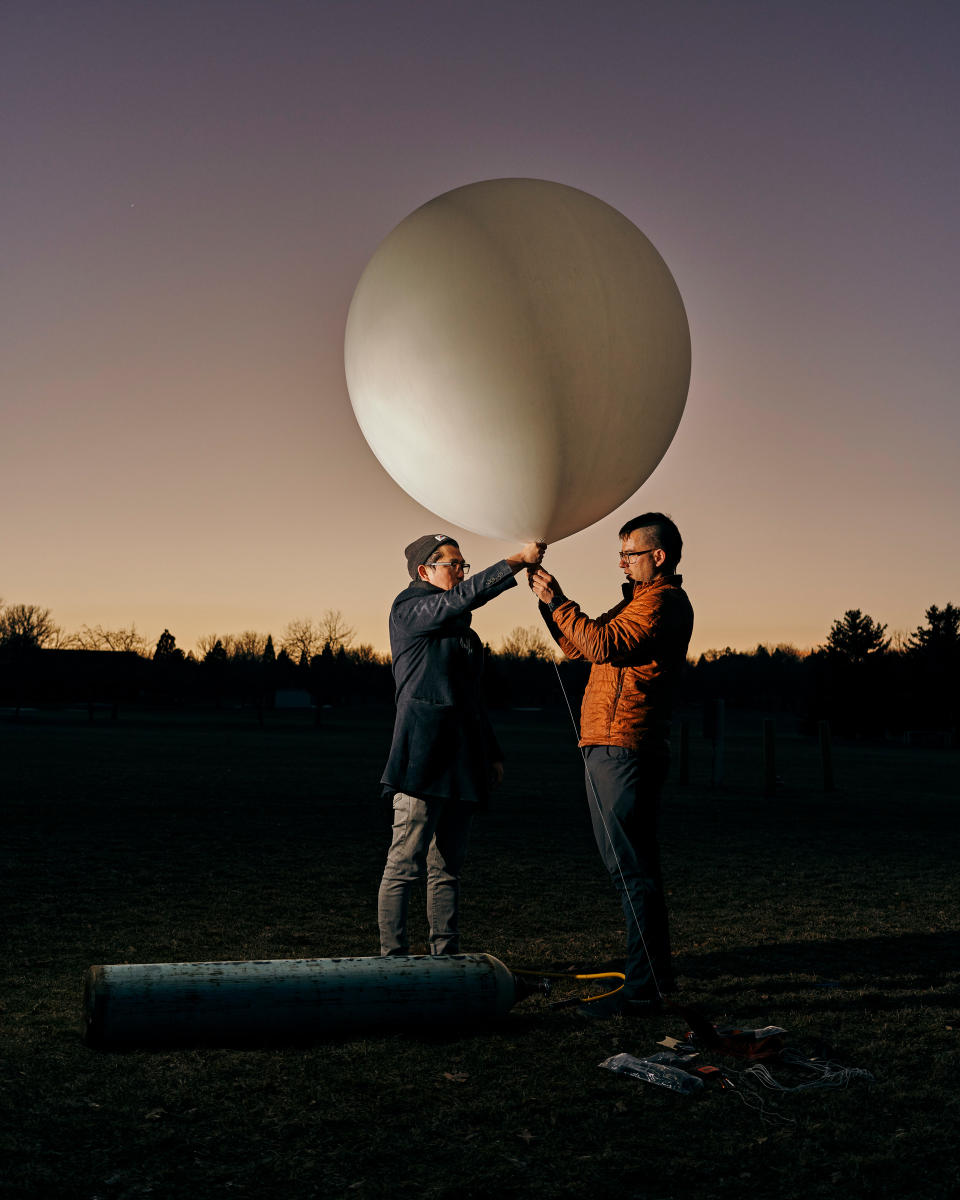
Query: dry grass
x=208 y=838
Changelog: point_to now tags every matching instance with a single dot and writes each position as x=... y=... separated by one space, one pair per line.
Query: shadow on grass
x=925 y=958
x=928 y=957
x=885 y=972
x=428 y=1036
x=878 y=974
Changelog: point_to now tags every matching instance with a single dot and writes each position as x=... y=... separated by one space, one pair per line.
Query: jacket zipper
x=616 y=699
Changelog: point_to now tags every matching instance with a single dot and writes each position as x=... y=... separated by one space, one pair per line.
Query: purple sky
x=190 y=192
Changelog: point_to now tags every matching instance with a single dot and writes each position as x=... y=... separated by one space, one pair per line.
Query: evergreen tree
x=216 y=655
x=166 y=647
x=857 y=637
x=933 y=651
x=940 y=636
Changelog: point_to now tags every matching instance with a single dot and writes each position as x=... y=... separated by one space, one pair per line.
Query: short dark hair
x=663 y=533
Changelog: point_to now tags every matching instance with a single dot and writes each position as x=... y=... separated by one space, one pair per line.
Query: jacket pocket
x=431 y=743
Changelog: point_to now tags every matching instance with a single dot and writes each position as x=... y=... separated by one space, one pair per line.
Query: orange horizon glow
x=192 y=192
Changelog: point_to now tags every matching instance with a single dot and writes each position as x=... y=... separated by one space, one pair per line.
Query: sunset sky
x=190 y=192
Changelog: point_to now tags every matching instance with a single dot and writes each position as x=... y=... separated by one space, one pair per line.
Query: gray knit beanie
x=419 y=551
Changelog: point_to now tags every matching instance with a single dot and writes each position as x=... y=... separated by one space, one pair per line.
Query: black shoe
x=620 y=1006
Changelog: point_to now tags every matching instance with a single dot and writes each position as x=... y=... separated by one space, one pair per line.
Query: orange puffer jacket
x=637 y=650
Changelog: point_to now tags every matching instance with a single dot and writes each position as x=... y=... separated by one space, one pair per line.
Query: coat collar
x=419 y=587
x=632 y=588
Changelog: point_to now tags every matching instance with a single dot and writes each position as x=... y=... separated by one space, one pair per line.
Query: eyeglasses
x=452 y=563
x=630 y=555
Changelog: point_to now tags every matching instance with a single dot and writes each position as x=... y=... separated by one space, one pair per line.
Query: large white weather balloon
x=518 y=356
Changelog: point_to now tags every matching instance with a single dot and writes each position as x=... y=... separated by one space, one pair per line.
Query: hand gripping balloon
x=518 y=357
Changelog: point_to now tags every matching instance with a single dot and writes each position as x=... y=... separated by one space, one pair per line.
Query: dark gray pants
x=623 y=792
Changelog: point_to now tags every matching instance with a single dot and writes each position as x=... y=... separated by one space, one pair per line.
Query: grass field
x=163 y=838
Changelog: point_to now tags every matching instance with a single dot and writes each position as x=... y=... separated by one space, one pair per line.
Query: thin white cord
x=829 y=1074
x=764 y=1110
x=596 y=800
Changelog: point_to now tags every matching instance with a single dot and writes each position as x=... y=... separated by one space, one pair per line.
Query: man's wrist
x=516 y=563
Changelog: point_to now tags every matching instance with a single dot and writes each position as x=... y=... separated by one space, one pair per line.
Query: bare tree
x=214 y=654
x=527 y=641
x=229 y=644
x=206 y=642
x=334 y=630
x=129 y=640
x=302 y=637
x=31 y=625
x=248 y=644
x=98 y=638
x=90 y=639
x=368 y=656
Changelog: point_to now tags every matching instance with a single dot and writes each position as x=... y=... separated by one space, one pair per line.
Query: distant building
x=91 y=677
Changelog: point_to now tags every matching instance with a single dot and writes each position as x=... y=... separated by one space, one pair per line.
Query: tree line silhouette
x=864 y=682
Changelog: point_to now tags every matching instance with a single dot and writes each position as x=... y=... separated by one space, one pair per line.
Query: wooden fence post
x=718 y=746
x=826 y=754
x=683 y=775
x=769 y=758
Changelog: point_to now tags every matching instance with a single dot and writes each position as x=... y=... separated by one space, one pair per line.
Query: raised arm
x=548 y=591
x=619 y=637
x=433 y=608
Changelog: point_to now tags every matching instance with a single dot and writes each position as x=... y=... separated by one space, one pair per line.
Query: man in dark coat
x=444 y=756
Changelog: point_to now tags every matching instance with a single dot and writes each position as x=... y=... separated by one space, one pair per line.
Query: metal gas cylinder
x=145 y=1004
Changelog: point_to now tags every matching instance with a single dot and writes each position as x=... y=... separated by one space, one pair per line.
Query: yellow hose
x=595 y=975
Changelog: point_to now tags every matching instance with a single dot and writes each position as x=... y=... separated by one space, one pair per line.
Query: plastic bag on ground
x=673 y=1078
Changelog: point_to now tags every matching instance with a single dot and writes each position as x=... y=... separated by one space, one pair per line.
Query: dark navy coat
x=443 y=743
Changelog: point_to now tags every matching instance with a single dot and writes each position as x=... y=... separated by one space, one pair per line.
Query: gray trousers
x=623 y=792
x=427 y=837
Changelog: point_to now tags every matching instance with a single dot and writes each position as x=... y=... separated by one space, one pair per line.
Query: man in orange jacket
x=637 y=651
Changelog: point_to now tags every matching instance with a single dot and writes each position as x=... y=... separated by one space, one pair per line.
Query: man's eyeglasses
x=630 y=555
x=452 y=563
